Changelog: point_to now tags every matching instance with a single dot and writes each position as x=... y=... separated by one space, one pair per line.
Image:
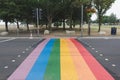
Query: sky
x=115 y=9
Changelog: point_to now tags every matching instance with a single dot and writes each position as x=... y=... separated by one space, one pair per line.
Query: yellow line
x=68 y=71
x=82 y=68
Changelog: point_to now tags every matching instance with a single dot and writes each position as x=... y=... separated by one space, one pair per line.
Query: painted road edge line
x=7 y=40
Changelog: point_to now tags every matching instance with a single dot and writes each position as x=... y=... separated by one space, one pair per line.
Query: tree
x=81 y=4
x=77 y=4
x=51 y=9
x=17 y=10
x=105 y=19
x=7 y=14
x=24 y=11
x=89 y=11
x=102 y=6
x=113 y=18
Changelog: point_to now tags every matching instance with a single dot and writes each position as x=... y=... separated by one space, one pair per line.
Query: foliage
x=109 y=19
x=52 y=10
x=102 y=6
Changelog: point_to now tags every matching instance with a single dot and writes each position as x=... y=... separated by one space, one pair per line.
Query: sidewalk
x=57 y=34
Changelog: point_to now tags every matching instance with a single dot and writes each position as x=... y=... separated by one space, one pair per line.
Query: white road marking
x=7 y=40
x=106 y=59
x=13 y=61
x=19 y=55
x=23 y=52
x=106 y=38
x=101 y=54
x=113 y=65
x=96 y=51
x=5 y=67
x=27 y=49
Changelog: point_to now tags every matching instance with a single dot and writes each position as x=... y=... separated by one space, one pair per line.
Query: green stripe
x=53 y=67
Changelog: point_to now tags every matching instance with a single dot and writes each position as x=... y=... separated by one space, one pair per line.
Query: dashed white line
x=106 y=59
x=96 y=51
x=19 y=56
x=23 y=52
x=27 y=49
x=5 y=67
x=7 y=40
x=13 y=61
x=101 y=54
x=113 y=65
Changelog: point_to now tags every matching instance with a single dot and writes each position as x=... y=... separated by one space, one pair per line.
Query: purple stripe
x=22 y=71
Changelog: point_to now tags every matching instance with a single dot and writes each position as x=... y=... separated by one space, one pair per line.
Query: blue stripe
x=38 y=70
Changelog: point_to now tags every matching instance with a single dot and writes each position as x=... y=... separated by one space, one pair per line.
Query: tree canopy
x=102 y=6
x=52 y=10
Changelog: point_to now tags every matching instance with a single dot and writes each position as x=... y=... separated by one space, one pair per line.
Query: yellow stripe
x=68 y=71
x=82 y=68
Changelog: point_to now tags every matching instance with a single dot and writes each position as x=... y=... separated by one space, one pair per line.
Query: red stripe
x=97 y=69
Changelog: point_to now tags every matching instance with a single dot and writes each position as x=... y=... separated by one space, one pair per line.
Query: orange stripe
x=84 y=72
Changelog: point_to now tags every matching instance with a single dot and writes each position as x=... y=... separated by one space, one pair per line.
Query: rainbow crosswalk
x=60 y=59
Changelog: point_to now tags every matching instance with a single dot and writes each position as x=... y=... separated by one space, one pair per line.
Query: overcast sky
x=115 y=9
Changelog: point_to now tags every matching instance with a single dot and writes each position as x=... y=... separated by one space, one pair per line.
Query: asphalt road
x=106 y=51
x=12 y=53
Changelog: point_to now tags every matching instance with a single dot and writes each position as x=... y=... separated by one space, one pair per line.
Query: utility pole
x=37 y=14
x=81 y=20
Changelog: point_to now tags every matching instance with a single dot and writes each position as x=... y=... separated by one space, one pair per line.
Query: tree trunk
x=63 y=24
x=70 y=24
x=80 y=25
x=89 y=30
x=99 y=19
x=6 y=25
x=18 y=27
x=46 y=25
x=28 y=27
x=71 y=19
x=49 y=23
x=74 y=23
x=57 y=25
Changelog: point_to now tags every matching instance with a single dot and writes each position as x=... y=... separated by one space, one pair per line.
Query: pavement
x=85 y=58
